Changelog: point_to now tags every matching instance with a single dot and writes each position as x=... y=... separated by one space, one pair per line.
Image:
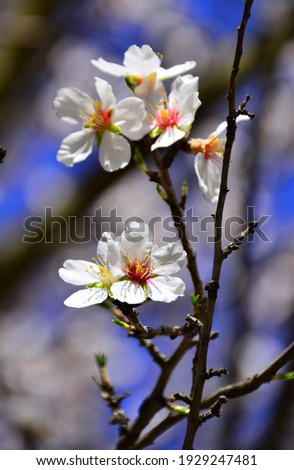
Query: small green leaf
x=122 y=324
x=101 y=360
x=285 y=376
x=185 y=188
x=194 y=300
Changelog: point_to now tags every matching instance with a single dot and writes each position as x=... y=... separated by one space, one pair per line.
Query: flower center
x=166 y=117
x=100 y=119
x=137 y=270
x=106 y=277
x=208 y=146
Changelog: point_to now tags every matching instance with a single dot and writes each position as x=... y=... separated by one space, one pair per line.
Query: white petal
x=141 y=61
x=223 y=125
x=104 y=90
x=79 y=273
x=71 y=103
x=108 y=67
x=208 y=172
x=130 y=116
x=184 y=97
x=115 y=260
x=220 y=128
x=136 y=242
x=76 y=147
x=114 y=152
x=152 y=91
x=129 y=292
x=86 y=297
x=169 y=258
x=175 y=70
x=188 y=111
x=165 y=288
x=168 y=137
x=242 y=117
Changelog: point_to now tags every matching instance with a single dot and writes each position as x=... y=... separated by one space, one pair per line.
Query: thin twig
x=231 y=391
x=236 y=243
x=252 y=384
x=177 y=214
x=155 y=401
x=118 y=415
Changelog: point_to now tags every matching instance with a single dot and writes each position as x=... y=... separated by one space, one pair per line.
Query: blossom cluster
x=124 y=270
x=167 y=118
x=129 y=268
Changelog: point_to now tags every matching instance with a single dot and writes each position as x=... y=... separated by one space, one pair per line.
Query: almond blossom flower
x=147 y=270
x=129 y=268
x=173 y=115
x=141 y=69
x=107 y=121
x=96 y=276
x=209 y=160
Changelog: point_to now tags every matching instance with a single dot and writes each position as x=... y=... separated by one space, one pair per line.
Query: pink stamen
x=137 y=270
x=166 y=118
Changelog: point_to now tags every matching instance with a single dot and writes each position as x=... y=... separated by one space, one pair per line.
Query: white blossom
x=142 y=70
x=107 y=121
x=209 y=160
x=129 y=268
x=173 y=115
x=96 y=276
x=146 y=269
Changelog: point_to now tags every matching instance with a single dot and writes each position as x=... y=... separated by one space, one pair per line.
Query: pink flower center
x=100 y=120
x=166 y=118
x=137 y=270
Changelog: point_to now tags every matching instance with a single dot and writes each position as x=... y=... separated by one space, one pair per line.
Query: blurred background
x=47 y=397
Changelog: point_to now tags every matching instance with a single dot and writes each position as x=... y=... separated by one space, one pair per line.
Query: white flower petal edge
x=86 y=297
x=71 y=103
x=223 y=125
x=76 y=147
x=163 y=74
x=168 y=137
x=129 y=292
x=169 y=259
x=165 y=288
x=104 y=91
x=131 y=117
x=114 y=153
x=141 y=62
x=209 y=175
x=78 y=272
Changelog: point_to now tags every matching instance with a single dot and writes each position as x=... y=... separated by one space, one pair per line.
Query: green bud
x=161 y=193
x=185 y=189
x=285 y=376
x=101 y=360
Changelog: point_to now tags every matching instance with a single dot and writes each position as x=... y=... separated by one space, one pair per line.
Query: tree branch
x=200 y=359
x=236 y=243
x=230 y=391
